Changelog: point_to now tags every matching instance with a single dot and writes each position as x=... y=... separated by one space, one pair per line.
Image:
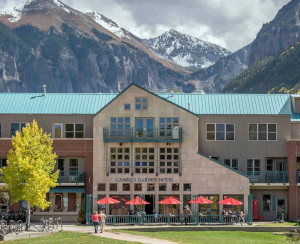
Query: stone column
x=51 y=200
x=78 y=201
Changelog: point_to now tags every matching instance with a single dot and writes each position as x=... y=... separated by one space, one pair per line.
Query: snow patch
x=109 y=25
x=15 y=11
x=62 y=6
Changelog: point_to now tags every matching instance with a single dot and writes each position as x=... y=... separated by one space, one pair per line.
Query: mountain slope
x=279 y=34
x=215 y=77
x=185 y=50
x=71 y=52
x=279 y=74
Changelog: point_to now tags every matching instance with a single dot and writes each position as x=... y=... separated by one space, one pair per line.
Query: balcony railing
x=72 y=177
x=268 y=177
x=142 y=134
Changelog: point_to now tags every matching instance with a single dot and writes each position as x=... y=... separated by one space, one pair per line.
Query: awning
x=73 y=189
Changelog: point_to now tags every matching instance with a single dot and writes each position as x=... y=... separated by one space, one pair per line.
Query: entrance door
x=280 y=209
x=149 y=208
x=281 y=165
x=144 y=127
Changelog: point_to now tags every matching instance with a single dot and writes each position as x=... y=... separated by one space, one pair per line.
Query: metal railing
x=70 y=178
x=268 y=177
x=142 y=134
x=178 y=219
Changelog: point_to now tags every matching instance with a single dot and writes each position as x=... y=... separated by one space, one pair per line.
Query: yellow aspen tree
x=29 y=173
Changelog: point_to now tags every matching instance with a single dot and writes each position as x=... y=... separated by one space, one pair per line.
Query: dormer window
x=141 y=103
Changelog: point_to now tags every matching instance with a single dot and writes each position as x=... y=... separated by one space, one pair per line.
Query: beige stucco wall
x=46 y=121
x=241 y=148
x=205 y=176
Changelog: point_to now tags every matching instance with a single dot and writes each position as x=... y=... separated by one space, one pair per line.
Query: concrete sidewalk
x=133 y=238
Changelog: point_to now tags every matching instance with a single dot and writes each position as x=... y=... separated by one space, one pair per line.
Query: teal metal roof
x=53 y=103
x=91 y=103
x=259 y=104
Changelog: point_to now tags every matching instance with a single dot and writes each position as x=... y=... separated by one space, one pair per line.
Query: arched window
x=58 y=202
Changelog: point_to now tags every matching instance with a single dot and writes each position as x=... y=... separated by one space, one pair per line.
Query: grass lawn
x=276 y=224
x=67 y=237
x=219 y=237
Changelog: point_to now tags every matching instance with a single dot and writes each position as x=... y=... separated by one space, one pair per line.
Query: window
x=144 y=160
x=14 y=127
x=126 y=187
x=262 y=132
x=137 y=187
x=57 y=131
x=220 y=132
x=266 y=203
x=169 y=160
x=187 y=187
x=119 y=160
x=233 y=163
x=58 y=202
x=150 y=187
x=126 y=106
x=113 y=187
x=166 y=125
x=253 y=166
x=3 y=162
x=61 y=166
x=269 y=164
x=141 y=103
x=175 y=187
x=120 y=126
x=213 y=208
x=73 y=167
x=74 y=131
x=162 y=187
x=101 y=187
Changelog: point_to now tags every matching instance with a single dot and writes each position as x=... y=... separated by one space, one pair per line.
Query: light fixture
x=121 y=143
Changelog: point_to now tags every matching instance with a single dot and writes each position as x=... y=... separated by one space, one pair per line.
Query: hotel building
x=157 y=145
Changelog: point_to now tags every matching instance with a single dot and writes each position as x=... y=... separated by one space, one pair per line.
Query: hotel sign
x=134 y=179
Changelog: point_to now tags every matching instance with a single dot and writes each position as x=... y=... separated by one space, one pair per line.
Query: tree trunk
x=28 y=216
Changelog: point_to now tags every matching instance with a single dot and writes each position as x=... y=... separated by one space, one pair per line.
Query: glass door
x=281 y=165
x=144 y=127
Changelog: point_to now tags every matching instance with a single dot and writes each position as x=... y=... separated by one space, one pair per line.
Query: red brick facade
x=294 y=190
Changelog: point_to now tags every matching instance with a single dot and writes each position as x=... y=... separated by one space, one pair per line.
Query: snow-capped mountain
x=186 y=50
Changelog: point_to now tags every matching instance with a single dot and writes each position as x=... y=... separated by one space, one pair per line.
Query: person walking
x=102 y=220
x=96 y=218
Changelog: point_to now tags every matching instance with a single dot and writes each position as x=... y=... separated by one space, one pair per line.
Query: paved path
x=133 y=238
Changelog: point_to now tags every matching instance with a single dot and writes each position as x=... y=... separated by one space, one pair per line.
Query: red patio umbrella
x=107 y=200
x=137 y=201
x=231 y=201
x=170 y=200
x=201 y=200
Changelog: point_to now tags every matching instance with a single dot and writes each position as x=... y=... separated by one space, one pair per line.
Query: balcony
x=70 y=177
x=268 y=177
x=142 y=135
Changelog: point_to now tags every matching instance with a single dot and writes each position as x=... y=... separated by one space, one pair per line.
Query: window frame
x=215 y=131
x=253 y=167
x=61 y=133
x=141 y=103
x=72 y=168
x=20 y=127
x=231 y=163
x=258 y=133
x=125 y=131
x=127 y=104
x=74 y=130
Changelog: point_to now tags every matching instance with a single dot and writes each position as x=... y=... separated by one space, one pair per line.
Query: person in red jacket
x=96 y=219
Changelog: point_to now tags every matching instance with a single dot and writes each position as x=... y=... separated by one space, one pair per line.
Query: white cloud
x=231 y=24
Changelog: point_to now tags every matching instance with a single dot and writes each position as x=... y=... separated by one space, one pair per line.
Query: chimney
x=44 y=90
